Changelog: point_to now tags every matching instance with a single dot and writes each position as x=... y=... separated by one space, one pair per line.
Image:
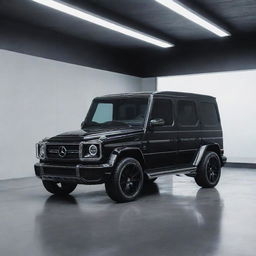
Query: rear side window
x=162 y=108
x=187 y=112
x=209 y=113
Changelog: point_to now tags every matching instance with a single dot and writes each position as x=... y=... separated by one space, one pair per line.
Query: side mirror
x=157 y=122
x=82 y=124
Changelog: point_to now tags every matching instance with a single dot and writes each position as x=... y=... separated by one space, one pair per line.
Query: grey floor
x=173 y=217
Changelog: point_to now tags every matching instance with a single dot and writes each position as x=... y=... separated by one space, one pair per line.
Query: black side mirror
x=157 y=122
x=82 y=124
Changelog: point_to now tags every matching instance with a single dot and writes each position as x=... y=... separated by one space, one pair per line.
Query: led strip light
x=103 y=22
x=191 y=15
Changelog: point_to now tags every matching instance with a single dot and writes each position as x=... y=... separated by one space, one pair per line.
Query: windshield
x=117 y=112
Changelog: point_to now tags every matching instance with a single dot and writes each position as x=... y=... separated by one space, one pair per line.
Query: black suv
x=128 y=140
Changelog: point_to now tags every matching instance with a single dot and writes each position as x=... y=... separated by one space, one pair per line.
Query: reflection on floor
x=172 y=217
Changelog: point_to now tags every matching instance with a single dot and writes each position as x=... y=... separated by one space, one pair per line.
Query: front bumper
x=80 y=174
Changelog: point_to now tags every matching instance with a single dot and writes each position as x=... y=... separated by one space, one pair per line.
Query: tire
x=209 y=171
x=126 y=181
x=59 y=188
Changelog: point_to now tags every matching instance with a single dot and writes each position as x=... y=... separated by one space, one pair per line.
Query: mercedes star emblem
x=62 y=151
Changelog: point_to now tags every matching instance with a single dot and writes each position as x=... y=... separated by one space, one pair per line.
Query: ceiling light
x=102 y=22
x=191 y=15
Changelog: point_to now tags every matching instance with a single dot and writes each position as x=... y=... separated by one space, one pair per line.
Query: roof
x=161 y=93
x=147 y=16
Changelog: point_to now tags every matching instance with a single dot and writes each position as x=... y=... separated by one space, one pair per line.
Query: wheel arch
x=134 y=152
x=206 y=148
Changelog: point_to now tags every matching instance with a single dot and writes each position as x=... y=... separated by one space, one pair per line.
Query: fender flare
x=117 y=152
x=214 y=147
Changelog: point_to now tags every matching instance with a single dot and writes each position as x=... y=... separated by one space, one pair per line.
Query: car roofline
x=155 y=93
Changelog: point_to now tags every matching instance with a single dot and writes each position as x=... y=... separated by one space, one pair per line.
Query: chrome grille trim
x=56 y=151
x=53 y=153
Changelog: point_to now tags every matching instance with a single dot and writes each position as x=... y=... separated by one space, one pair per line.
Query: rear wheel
x=59 y=188
x=126 y=181
x=209 y=171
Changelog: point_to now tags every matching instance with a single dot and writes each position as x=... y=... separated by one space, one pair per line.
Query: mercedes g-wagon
x=127 y=140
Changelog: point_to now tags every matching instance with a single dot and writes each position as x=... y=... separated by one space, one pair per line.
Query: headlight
x=90 y=150
x=93 y=150
x=40 y=150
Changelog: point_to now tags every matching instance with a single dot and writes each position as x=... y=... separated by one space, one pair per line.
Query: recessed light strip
x=102 y=22
x=189 y=14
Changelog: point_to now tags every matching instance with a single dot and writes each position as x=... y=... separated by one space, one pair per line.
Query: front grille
x=62 y=151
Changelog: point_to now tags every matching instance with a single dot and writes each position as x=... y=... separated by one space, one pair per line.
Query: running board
x=153 y=173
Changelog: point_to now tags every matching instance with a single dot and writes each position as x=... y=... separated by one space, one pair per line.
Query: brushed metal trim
x=188 y=169
x=199 y=155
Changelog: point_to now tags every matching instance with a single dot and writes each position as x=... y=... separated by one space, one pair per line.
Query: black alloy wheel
x=209 y=171
x=126 y=181
x=213 y=169
x=130 y=179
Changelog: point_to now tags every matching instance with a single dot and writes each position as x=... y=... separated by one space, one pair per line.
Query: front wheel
x=209 y=171
x=59 y=188
x=126 y=181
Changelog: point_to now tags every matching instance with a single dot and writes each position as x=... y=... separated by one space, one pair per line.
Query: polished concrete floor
x=172 y=217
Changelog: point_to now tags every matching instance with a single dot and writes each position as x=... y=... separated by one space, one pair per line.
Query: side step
x=153 y=173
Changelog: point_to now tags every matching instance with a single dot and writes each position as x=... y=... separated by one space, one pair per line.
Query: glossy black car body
x=175 y=146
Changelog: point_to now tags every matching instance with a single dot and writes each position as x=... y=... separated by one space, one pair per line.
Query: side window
x=209 y=113
x=133 y=110
x=162 y=108
x=187 y=112
x=103 y=113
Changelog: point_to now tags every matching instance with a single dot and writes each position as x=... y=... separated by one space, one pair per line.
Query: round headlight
x=93 y=150
x=42 y=152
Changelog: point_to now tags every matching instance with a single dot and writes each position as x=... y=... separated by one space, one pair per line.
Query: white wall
x=236 y=96
x=149 y=84
x=40 y=98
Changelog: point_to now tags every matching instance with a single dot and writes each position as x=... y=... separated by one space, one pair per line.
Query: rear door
x=189 y=134
x=160 y=141
x=210 y=121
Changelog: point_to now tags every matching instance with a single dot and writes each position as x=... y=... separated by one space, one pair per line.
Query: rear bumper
x=80 y=174
x=223 y=160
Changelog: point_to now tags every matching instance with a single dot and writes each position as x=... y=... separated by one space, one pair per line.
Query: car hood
x=94 y=133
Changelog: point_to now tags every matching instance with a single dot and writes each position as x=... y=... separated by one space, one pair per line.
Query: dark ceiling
x=236 y=16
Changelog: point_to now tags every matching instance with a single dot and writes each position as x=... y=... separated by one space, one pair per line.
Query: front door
x=160 y=142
